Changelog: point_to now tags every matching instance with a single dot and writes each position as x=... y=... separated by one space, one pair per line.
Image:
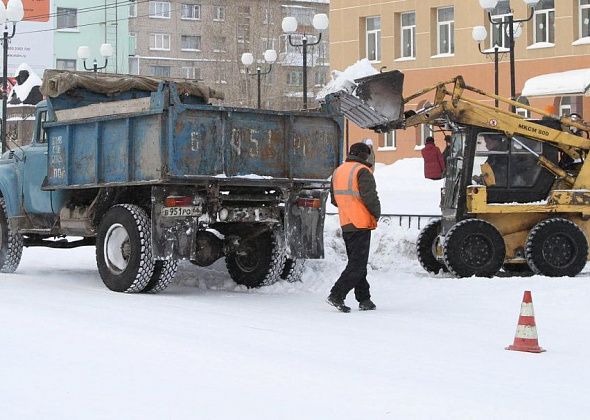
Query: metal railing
x=417 y=219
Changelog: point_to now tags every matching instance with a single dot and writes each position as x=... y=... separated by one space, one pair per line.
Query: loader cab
x=486 y=157
x=508 y=167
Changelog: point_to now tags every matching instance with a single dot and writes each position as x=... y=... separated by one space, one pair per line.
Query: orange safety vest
x=351 y=208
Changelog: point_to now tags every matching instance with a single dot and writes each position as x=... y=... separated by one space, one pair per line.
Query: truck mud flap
x=304 y=226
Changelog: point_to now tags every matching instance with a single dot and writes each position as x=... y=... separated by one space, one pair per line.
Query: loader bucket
x=383 y=93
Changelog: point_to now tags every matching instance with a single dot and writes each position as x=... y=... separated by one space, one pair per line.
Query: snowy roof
x=344 y=80
x=572 y=82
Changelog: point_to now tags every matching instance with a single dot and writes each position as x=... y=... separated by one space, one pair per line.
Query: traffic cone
x=526 y=331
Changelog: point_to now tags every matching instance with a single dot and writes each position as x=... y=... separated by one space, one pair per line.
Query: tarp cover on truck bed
x=57 y=82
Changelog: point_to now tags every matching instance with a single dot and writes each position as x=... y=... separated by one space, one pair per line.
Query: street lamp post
x=106 y=51
x=270 y=56
x=490 y=5
x=12 y=14
x=320 y=22
x=479 y=34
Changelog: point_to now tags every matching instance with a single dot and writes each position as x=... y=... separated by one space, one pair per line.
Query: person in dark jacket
x=354 y=192
x=434 y=164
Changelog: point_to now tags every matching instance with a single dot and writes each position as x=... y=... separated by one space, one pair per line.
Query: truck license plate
x=181 y=211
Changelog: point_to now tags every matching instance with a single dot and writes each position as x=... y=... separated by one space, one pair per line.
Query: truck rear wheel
x=556 y=247
x=474 y=248
x=258 y=261
x=292 y=270
x=124 y=249
x=164 y=272
x=11 y=243
x=425 y=247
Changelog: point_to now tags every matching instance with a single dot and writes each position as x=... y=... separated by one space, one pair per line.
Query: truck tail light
x=176 y=201
x=314 y=203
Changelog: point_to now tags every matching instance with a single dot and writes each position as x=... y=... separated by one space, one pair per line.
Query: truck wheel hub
x=117 y=248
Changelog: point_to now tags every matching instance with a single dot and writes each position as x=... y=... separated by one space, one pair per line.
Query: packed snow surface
x=207 y=348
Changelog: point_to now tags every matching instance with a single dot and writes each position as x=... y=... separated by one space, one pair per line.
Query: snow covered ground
x=209 y=349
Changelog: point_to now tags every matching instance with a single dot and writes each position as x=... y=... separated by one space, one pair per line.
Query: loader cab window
x=491 y=160
x=509 y=168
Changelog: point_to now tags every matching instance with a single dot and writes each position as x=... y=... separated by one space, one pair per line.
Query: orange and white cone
x=526 y=331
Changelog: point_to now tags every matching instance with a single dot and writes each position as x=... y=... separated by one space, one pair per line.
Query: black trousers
x=354 y=275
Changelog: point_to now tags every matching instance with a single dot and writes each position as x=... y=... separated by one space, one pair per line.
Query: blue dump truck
x=150 y=173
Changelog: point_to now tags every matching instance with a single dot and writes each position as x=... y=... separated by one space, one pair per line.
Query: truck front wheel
x=258 y=261
x=123 y=249
x=11 y=243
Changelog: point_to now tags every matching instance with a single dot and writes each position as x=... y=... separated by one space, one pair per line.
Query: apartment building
x=205 y=39
x=431 y=41
x=90 y=23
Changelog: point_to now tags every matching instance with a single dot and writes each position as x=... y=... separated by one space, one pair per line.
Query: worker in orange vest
x=354 y=192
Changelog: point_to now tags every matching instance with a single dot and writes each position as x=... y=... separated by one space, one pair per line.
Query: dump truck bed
x=161 y=136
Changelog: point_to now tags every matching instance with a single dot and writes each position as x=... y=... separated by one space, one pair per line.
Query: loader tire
x=425 y=248
x=293 y=270
x=474 y=248
x=124 y=249
x=259 y=261
x=11 y=243
x=164 y=273
x=556 y=247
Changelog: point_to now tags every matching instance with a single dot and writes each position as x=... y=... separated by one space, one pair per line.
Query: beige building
x=431 y=40
x=205 y=39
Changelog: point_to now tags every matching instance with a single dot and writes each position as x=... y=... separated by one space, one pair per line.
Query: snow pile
x=344 y=80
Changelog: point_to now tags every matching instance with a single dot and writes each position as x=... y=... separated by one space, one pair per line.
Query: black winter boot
x=338 y=303
x=367 y=305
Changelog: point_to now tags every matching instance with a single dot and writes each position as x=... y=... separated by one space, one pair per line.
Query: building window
x=499 y=32
x=132 y=43
x=373 y=38
x=244 y=10
x=320 y=78
x=191 y=73
x=389 y=141
x=190 y=43
x=220 y=76
x=584 y=18
x=133 y=10
x=160 y=9
x=425 y=131
x=67 y=18
x=160 y=42
x=544 y=22
x=565 y=106
x=219 y=44
x=269 y=43
x=295 y=78
x=65 y=64
x=523 y=112
x=267 y=17
x=218 y=13
x=191 y=11
x=446 y=30
x=408 y=34
x=161 y=71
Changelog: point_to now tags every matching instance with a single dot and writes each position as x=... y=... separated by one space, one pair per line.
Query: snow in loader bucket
x=378 y=103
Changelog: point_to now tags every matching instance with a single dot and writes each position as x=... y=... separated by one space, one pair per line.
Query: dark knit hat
x=360 y=150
